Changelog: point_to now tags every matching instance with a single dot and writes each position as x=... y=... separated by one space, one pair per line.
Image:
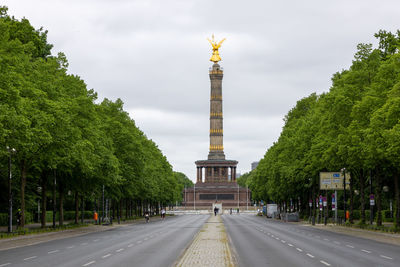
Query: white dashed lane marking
x=5 y=264
x=386 y=257
x=349 y=246
x=309 y=255
x=130 y=245
x=326 y=239
x=30 y=258
x=366 y=251
x=84 y=244
x=96 y=240
x=106 y=256
x=119 y=250
x=299 y=249
x=290 y=245
x=53 y=251
x=89 y=263
x=337 y=243
x=70 y=247
x=324 y=262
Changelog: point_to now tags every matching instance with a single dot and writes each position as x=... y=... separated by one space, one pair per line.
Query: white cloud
x=153 y=54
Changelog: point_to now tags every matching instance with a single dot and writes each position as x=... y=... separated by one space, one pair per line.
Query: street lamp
x=10 y=152
x=344 y=192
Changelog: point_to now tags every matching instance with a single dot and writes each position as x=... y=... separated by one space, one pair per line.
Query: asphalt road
x=265 y=242
x=157 y=243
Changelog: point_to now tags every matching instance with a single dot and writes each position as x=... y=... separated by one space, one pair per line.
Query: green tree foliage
x=355 y=125
x=61 y=134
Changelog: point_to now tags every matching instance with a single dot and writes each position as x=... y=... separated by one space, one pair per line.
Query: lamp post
x=238 y=197
x=344 y=192
x=247 y=197
x=371 y=197
x=194 y=197
x=10 y=152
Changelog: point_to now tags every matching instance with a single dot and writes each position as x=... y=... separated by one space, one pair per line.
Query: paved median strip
x=210 y=247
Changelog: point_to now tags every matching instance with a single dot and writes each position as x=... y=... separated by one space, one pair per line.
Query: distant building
x=254 y=165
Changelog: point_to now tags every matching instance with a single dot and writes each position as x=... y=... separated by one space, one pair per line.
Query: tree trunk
x=351 y=200
x=23 y=184
x=397 y=200
x=76 y=207
x=82 y=209
x=61 y=207
x=44 y=199
x=362 y=195
x=113 y=209
x=378 y=199
x=120 y=208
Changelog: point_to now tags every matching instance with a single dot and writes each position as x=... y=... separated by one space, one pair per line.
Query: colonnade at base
x=210 y=171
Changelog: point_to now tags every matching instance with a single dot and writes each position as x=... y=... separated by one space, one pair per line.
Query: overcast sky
x=155 y=57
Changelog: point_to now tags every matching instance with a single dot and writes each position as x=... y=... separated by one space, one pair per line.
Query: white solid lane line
x=87 y=264
x=5 y=264
x=299 y=249
x=53 y=251
x=386 y=257
x=309 y=255
x=349 y=246
x=106 y=256
x=26 y=259
x=366 y=251
x=324 y=262
x=119 y=250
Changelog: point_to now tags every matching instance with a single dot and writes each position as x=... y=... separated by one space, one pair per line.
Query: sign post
x=335 y=181
x=334 y=197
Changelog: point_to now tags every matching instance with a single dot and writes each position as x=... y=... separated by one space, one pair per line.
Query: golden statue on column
x=215 y=46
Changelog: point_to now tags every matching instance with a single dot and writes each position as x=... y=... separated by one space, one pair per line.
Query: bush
x=4 y=218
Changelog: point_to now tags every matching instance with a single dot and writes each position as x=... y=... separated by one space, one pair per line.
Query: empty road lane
x=263 y=242
x=157 y=243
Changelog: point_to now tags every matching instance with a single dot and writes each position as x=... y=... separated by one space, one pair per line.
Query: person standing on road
x=162 y=213
x=146 y=216
x=215 y=211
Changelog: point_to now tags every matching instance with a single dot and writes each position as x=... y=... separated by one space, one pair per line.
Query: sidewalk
x=210 y=247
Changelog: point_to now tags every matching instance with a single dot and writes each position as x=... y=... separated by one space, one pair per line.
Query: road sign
x=333 y=180
x=372 y=200
x=324 y=200
x=333 y=202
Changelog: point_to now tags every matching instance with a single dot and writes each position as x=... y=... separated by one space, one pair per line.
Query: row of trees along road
x=61 y=134
x=355 y=125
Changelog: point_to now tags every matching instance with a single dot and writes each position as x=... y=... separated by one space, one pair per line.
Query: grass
x=27 y=231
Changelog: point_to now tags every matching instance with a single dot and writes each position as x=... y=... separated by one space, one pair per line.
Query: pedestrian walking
x=163 y=213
